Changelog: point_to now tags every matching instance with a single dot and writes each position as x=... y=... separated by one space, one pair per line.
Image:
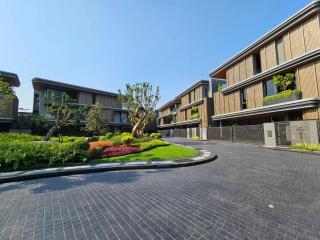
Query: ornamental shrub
x=281 y=95
x=127 y=139
x=109 y=135
x=152 y=144
x=155 y=135
x=119 y=151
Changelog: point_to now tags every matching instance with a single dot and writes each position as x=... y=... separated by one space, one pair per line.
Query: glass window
x=269 y=88
x=256 y=63
x=280 y=51
x=116 y=117
x=243 y=99
x=189 y=95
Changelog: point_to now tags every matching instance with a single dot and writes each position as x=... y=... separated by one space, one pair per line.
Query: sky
x=104 y=44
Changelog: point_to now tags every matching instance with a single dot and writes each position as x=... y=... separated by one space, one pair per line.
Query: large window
x=280 y=51
x=269 y=88
x=256 y=63
x=243 y=99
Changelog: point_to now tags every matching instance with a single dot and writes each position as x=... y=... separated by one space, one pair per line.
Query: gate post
x=269 y=131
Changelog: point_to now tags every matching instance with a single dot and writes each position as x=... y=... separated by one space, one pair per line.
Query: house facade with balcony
x=251 y=95
x=190 y=109
x=116 y=116
x=9 y=115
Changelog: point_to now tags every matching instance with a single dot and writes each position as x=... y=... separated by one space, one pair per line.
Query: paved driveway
x=248 y=193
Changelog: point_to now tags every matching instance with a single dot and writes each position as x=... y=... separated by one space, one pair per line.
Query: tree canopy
x=140 y=99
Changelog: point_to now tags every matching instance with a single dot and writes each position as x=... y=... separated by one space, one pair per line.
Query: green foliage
x=63 y=111
x=155 y=135
x=6 y=95
x=98 y=150
x=281 y=95
x=152 y=144
x=283 y=82
x=194 y=112
x=195 y=138
x=95 y=120
x=24 y=152
x=127 y=139
x=126 y=134
x=146 y=135
x=141 y=101
x=38 y=124
x=220 y=86
x=109 y=135
x=8 y=137
x=307 y=147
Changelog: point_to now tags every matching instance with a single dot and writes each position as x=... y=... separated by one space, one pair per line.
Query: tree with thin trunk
x=62 y=111
x=96 y=122
x=6 y=95
x=141 y=101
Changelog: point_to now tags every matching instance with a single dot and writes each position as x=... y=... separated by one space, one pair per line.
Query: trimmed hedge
x=281 y=95
x=155 y=135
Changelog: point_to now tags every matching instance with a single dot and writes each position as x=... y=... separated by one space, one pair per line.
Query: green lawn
x=159 y=153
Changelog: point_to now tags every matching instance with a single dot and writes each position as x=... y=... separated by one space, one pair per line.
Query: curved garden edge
x=204 y=156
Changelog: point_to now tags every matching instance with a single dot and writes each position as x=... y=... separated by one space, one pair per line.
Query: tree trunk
x=50 y=133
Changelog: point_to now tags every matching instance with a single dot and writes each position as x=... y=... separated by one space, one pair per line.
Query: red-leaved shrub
x=99 y=144
x=118 y=150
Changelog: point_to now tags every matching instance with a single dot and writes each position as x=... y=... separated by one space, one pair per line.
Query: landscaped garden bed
x=26 y=152
x=307 y=147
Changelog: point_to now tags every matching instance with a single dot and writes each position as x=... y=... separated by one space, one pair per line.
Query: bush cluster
x=306 y=146
x=152 y=144
x=21 y=154
x=155 y=135
x=127 y=139
x=281 y=95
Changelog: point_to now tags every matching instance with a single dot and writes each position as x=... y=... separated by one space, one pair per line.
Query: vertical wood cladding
x=287 y=46
x=236 y=73
x=237 y=100
x=297 y=42
x=249 y=66
x=258 y=91
x=308 y=81
x=231 y=102
x=311 y=33
x=270 y=55
x=250 y=97
x=263 y=59
x=230 y=76
x=85 y=98
x=242 y=70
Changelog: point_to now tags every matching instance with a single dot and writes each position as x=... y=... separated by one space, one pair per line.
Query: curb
x=176 y=163
x=292 y=150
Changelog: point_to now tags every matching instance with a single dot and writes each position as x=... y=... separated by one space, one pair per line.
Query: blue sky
x=105 y=44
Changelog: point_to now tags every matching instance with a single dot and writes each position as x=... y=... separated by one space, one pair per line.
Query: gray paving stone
x=228 y=198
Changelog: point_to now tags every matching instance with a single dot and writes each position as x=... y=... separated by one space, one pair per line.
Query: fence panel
x=220 y=133
x=183 y=133
x=248 y=133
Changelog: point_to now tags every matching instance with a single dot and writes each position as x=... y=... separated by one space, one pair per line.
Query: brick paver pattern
x=248 y=193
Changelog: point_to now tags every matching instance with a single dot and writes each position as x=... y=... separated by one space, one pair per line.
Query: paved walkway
x=247 y=193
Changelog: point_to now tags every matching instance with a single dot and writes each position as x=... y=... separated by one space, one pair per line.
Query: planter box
x=293 y=97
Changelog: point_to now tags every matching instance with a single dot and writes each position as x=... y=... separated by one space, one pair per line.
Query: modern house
x=117 y=116
x=291 y=47
x=9 y=115
x=190 y=109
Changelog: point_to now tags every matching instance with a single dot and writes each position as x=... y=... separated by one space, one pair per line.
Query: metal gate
x=283 y=133
x=247 y=133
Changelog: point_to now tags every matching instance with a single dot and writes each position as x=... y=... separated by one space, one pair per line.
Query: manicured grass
x=159 y=153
